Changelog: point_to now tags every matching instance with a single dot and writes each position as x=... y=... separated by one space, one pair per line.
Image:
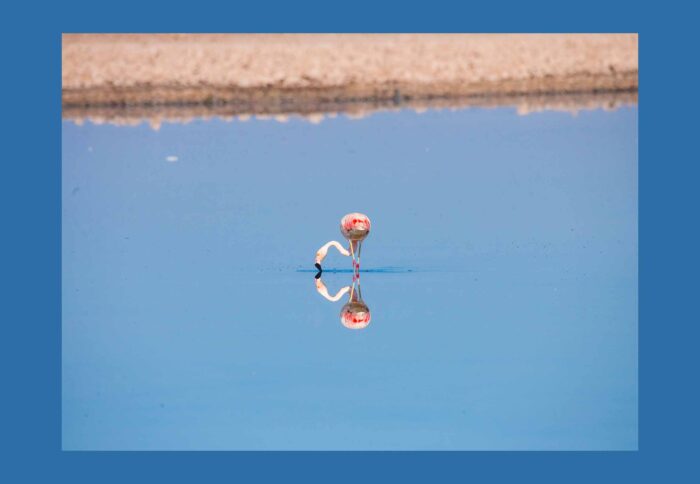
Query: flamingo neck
x=323 y=251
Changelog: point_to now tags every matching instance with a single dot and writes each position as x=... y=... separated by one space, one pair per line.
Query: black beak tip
x=318 y=266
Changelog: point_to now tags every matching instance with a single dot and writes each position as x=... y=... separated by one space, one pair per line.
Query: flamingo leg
x=359 y=252
x=354 y=266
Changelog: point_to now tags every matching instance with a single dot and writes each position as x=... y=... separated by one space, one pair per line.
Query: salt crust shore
x=120 y=78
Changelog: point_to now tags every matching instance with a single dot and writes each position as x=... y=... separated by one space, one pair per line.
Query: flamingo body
x=355 y=226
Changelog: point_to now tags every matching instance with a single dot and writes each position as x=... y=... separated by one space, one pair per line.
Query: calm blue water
x=502 y=283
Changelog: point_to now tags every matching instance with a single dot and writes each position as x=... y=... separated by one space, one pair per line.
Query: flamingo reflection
x=355 y=313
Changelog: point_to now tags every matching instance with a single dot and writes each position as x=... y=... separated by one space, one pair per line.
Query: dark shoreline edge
x=281 y=104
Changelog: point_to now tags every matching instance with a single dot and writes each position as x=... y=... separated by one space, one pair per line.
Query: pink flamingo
x=355 y=228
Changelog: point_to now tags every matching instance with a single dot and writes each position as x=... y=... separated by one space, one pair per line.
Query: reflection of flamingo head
x=355 y=315
x=355 y=226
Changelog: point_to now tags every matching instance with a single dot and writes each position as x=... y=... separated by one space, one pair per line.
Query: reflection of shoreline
x=277 y=107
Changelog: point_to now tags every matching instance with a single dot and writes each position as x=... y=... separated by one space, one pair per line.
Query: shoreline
x=251 y=74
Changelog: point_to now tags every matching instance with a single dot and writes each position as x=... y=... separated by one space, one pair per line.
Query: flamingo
x=355 y=228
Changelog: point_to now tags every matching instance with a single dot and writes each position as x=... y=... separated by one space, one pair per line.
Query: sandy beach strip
x=307 y=73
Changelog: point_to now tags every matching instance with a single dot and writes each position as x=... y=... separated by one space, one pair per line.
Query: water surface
x=501 y=278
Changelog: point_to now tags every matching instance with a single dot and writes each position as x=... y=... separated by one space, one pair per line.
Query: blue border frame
x=31 y=288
